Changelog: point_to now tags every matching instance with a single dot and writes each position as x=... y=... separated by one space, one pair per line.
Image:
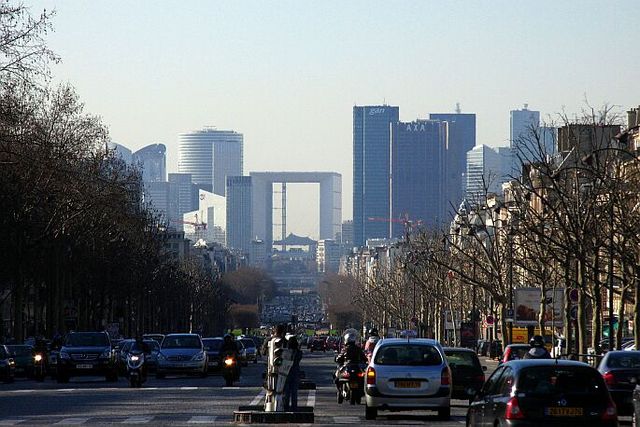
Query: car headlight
x=134 y=358
x=198 y=357
x=64 y=355
x=37 y=358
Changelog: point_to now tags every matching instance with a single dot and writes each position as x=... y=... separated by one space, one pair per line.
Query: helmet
x=349 y=338
x=537 y=341
x=373 y=331
x=228 y=337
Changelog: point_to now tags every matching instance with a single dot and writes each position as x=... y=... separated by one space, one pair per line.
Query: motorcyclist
x=351 y=353
x=140 y=346
x=538 y=350
x=230 y=348
x=370 y=345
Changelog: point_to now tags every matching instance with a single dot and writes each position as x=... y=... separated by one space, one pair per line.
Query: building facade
x=210 y=156
x=328 y=255
x=371 y=189
x=461 y=138
x=239 y=213
x=418 y=166
x=486 y=172
x=152 y=159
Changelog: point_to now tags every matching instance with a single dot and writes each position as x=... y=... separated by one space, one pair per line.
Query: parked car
x=182 y=354
x=86 y=353
x=23 y=357
x=250 y=351
x=543 y=393
x=7 y=365
x=467 y=374
x=408 y=375
x=212 y=346
x=514 y=352
x=621 y=370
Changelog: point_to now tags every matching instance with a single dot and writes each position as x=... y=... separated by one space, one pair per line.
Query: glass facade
x=239 y=213
x=153 y=161
x=371 y=145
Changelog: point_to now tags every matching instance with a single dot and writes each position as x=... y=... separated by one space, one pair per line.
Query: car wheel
x=444 y=413
x=370 y=413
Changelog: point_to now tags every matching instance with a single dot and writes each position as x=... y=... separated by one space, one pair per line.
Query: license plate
x=407 y=384
x=564 y=412
x=84 y=366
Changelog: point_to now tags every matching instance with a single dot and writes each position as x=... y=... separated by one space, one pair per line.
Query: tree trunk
x=596 y=319
x=582 y=310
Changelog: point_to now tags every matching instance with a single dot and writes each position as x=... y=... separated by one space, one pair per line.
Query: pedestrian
x=293 y=378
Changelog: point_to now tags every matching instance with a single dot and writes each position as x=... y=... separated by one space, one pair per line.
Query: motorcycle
x=350 y=383
x=135 y=369
x=39 y=366
x=229 y=369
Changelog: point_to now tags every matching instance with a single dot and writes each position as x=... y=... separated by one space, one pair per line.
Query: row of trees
x=78 y=247
x=569 y=222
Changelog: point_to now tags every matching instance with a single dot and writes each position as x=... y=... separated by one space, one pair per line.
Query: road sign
x=489 y=320
x=510 y=313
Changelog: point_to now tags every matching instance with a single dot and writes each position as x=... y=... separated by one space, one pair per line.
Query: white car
x=182 y=354
x=408 y=374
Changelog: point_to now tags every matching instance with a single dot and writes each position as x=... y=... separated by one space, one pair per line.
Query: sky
x=286 y=74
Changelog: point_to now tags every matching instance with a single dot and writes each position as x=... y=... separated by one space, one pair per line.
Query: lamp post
x=611 y=277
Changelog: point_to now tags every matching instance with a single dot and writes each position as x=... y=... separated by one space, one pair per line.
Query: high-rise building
x=461 y=139
x=522 y=123
x=328 y=255
x=486 y=172
x=210 y=156
x=418 y=166
x=346 y=235
x=121 y=151
x=186 y=192
x=371 y=135
x=239 y=213
x=152 y=159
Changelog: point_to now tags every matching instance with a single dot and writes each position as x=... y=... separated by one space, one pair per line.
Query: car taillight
x=361 y=374
x=507 y=355
x=513 y=411
x=371 y=376
x=480 y=378
x=445 y=377
x=611 y=413
x=609 y=378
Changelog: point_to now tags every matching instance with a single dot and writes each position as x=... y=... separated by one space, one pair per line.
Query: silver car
x=181 y=354
x=408 y=374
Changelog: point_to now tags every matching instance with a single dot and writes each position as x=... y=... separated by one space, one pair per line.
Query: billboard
x=527 y=306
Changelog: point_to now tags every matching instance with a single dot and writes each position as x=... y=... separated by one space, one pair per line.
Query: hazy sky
x=286 y=74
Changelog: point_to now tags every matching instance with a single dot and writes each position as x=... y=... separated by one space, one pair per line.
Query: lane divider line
x=202 y=419
x=72 y=421
x=256 y=400
x=311 y=399
x=138 y=420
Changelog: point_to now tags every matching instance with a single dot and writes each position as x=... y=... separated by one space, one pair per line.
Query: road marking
x=149 y=388
x=138 y=420
x=256 y=400
x=231 y=388
x=68 y=421
x=66 y=389
x=311 y=399
x=202 y=419
x=346 y=420
x=11 y=422
x=188 y=388
x=23 y=391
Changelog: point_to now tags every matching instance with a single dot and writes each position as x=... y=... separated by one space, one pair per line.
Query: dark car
x=7 y=365
x=514 y=352
x=23 y=357
x=249 y=351
x=621 y=370
x=319 y=344
x=543 y=393
x=86 y=353
x=467 y=375
x=212 y=346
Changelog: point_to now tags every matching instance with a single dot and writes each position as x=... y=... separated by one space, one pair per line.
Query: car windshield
x=518 y=352
x=87 y=340
x=181 y=341
x=151 y=344
x=462 y=358
x=408 y=354
x=553 y=380
x=627 y=359
x=212 y=345
x=20 y=350
x=248 y=343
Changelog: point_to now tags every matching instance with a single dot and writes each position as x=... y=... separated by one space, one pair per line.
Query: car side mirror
x=484 y=368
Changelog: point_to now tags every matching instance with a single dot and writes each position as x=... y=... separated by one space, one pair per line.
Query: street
x=186 y=401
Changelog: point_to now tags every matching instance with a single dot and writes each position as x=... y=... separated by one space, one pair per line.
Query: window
x=87 y=340
x=463 y=359
x=490 y=386
x=408 y=354
x=184 y=341
x=505 y=385
x=544 y=380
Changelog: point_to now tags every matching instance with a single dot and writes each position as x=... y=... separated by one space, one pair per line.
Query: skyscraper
x=371 y=135
x=461 y=139
x=153 y=161
x=210 y=156
x=521 y=124
x=486 y=172
x=418 y=165
x=239 y=213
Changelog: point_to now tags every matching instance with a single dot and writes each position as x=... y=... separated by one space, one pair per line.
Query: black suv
x=87 y=353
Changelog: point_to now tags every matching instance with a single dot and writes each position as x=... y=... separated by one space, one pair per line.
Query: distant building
x=418 y=165
x=529 y=141
x=585 y=138
x=209 y=221
x=371 y=134
x=461 y=139
x=347 y=234
x=152 y=159
x=176 y=244
x=486 y=172
x=121 y=151
x=258 y=253
x=210 y=156
x=328 y=255
x=239 y=213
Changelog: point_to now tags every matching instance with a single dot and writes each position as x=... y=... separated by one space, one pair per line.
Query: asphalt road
x=186 y=401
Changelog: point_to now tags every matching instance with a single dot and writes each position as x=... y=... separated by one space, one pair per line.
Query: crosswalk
x=144 y=419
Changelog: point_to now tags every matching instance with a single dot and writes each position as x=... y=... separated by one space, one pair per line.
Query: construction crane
x=198 y=226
